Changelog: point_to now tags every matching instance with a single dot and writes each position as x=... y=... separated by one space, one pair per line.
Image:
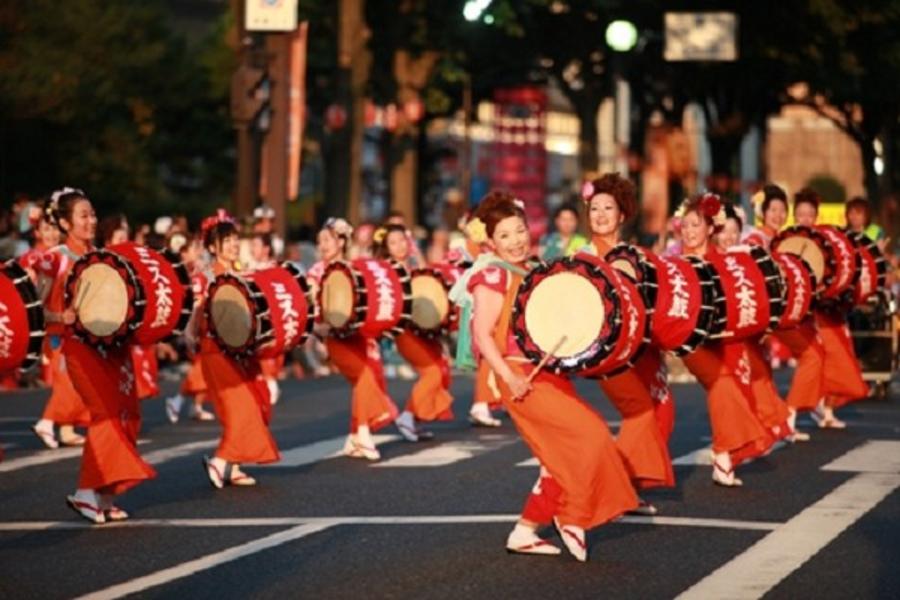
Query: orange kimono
x=110 y=463
x=241 y=399
x=842 y=376
x=194 y=383
x=65 y=405
x=807 y=384
x=735 y=429
x=430 y=398
x=358 y=360
x=766 y=402
x=583 y=479
x=641 y=441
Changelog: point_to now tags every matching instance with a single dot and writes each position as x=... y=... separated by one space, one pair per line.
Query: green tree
x=100 y=94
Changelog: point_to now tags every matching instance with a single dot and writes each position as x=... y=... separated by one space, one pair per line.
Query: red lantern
x=335 y=117
x=414 y=110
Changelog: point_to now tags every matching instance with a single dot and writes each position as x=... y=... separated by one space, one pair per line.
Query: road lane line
x=17 y=526
x=770 y=560
x=207 y=562
x=321 y=450
x=448 y=453
x=43 y=457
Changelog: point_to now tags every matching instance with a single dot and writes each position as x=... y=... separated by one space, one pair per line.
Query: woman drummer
x=64 y=407
x=430 y=398
x=103 y=378
x=356 y=357
x=583 y=481
x=236 y=388
x=610 y=203
x=842 y=380
x=767 y=404
x=802 y=341
x=721 y=367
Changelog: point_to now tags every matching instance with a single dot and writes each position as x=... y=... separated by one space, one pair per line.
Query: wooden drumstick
x=543 y=361
x=82 y=293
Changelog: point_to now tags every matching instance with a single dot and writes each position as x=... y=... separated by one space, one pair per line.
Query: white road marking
x=701 y=456
x=860 y=459
x=321 y=450
x=14 y=526
x=760 y=568
x=206 y=562
x=43 y=457
x=158 y=457
x=448 y=453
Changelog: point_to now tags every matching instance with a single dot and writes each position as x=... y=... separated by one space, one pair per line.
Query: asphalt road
x=430 y=520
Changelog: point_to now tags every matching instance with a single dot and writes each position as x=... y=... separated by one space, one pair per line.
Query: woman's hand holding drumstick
x=523 y=385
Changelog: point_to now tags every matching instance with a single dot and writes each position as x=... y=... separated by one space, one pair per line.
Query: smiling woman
x=583 y=482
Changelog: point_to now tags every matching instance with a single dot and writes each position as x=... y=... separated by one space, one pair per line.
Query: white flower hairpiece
x=340 y=226
x=476 y=230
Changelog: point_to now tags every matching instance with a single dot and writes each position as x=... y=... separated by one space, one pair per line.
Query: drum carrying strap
x=460 y=295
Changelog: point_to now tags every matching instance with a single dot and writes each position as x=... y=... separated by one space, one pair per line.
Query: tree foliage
x=100 y=94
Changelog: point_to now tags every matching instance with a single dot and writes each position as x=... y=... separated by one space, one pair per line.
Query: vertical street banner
x=296 y=108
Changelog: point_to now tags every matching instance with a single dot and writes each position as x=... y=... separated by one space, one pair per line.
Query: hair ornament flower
x=379 y=235
x=758 y=198
x=221 y=216
x=476 y=230
x=679 y=212
x=587 y=191
x=339 y=226
x=710 y=205
x=519 y=204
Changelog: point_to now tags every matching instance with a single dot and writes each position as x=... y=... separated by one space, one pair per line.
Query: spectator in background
x=438 y=246
x=361 y=245
x=565 y=239
x=859 y=218
x=140 y=234
x=264 y=222
x=112 y=230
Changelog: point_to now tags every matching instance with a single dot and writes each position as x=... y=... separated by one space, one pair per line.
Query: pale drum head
x=430 y=304
x=808 y=250
x=568 y=305
x=623 y=266
x=232 y=315
x=337 y=298
x=101 y=300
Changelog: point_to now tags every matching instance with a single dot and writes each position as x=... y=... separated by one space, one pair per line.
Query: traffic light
x=250 y=97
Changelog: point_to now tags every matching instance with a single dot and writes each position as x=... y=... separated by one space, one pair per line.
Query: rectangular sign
x=701 y=36
x=270 y=15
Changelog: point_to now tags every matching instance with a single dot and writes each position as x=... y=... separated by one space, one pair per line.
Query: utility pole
x=243 y=113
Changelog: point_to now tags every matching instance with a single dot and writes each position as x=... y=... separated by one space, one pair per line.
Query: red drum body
x=597 y=311
x=872 y=268
x=846 y=261
x=167 y=289
x=678 y=293
x=262 y=314
x=365 y=296
x=128 y=293
x=815 y=250
x=798 y=290
x=751 y=292
x=432 y=311
x=21 y=320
